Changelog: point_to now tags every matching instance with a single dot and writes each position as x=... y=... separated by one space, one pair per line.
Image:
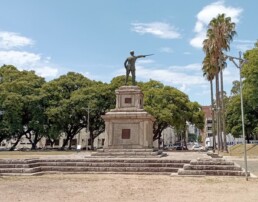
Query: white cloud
x=158 y=29
x=166 y=50
x=10 y=40
x=243 y=45
x=19 y=58
x=23 y=60
x=173 y=76
x=193 y=68
x=28 y=61
x=46 y=71
x=205 y=16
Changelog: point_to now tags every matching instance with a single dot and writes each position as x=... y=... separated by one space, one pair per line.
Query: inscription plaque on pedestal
x=128 y=100
x=126 y=133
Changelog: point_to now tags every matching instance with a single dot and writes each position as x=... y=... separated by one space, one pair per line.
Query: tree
x=170 y=107
x=234 y=121
x=250 y=85
x=250 y=73
x=20 y=104
x=235 y=90
x=209 y=71
x=219 y=35
x=61 y=105
x=95 y=101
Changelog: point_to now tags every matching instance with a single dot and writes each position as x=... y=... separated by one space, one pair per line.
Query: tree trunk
x=65 y=143
x=70 y=142
x=218 y=112
x=15 y=144
x=33 y=142
x=33 y=146
x=212 y=115
x=185 y=144
x=52 y=143
x=91 y=141
x=223 y=112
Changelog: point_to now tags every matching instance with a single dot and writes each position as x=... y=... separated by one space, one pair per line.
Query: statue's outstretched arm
x=143 y=56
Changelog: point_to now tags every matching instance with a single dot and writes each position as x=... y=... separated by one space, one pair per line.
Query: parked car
x=198 y=147
x=176 y=146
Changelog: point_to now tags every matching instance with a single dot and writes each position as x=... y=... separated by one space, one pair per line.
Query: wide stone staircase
x=210 y=166
x=90 y=165
x=129 y=153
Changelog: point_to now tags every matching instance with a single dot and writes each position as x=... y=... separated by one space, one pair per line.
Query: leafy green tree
x=235 y=90
x=62 y=110
x=119 y=81
x=22 y=113
x=250 y=98
x=250 y=73
x=192 y=137
x=170 y=107
x=95 y=101
x=234 y=121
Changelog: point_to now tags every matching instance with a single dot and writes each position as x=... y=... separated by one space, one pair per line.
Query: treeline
x=33 y=108
x=249 y=73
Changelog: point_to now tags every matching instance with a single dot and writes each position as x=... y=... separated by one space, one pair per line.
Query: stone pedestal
x=128 y=126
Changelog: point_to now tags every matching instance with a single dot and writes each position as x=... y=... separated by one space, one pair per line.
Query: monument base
x=128 y=127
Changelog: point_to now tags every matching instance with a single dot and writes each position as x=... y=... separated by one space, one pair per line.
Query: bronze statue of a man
x=130 y=66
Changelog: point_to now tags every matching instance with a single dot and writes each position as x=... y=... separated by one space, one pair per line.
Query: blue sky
x=94 y=38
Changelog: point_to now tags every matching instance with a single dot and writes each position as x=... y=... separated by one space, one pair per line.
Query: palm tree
x=210 y=49
x=209 y=72
x=219 y=35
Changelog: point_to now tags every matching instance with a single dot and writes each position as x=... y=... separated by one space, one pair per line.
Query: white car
x=198 y=147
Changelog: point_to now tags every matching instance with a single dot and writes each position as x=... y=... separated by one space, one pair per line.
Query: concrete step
x=126 y=150
x=129 y=153
x=133 y=165
x=14 y=165
x=212 y=167
x=111 y=164
x=20 y=170
x=211 y=172
x=57 y=172
x=108 y=169
x=199 y=162
x=126 y=160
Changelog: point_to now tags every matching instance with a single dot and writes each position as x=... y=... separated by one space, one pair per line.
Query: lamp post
x=241 y=63
x=88 y=124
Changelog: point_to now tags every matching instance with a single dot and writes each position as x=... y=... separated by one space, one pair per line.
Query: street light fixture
x=88 y=109
x=241 y=63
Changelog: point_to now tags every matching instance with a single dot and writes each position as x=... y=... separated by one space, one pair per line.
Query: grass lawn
x=238 y=150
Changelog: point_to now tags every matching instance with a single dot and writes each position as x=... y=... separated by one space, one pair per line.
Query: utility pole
x=239 y=66
x=88 y=126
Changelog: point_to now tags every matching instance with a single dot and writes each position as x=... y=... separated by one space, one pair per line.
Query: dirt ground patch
x=125 y=188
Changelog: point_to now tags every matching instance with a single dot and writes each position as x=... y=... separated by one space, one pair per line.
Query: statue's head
x=132 y=52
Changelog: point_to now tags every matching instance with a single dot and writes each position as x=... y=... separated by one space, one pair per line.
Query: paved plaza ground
x=125 y=188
